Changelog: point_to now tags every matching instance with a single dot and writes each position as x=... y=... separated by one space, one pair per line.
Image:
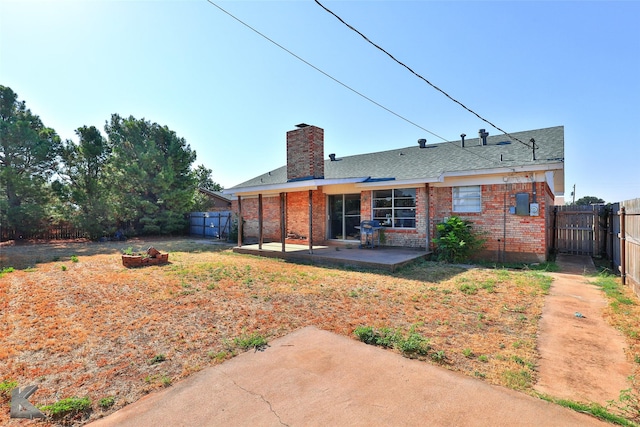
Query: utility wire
x=347 y=86
x=326 y=74
x=419 y=76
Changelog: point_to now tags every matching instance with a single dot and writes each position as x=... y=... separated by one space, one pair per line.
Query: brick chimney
x=305 y=153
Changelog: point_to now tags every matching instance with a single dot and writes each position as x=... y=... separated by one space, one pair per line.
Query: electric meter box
x=534 y=209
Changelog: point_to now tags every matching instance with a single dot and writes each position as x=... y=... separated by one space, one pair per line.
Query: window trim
x=469 y=196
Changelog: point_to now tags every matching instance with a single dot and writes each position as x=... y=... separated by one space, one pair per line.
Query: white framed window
x=467 y=199
x=395 y=208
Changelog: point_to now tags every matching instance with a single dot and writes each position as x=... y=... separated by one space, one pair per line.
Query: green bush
x=68 y=407
x=254 y=340
x=411 y=345
x=456 y=240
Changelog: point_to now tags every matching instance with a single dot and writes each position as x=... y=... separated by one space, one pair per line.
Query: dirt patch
x=582 y=357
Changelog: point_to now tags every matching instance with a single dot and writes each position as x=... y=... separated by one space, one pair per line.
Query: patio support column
x=260 y=232
x=310 y=221
x=283 y=223
x=239 y=221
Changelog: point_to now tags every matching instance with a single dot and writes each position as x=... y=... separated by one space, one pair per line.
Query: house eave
x=288 y=187
x=538 y=167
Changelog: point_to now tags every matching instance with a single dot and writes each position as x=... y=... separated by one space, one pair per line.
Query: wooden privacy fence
x=54 y=232
x=579 y=230
x=625 y=242
x=215 y=225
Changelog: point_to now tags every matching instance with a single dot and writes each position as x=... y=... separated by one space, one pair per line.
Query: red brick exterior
x=508 y=237
x=305 y=153
x=296 y=214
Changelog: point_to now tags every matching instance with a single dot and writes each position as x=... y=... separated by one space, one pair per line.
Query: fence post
x=623 y=255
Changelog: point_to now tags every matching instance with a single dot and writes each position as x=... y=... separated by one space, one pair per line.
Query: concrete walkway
x=315 y=378
x=581 y=356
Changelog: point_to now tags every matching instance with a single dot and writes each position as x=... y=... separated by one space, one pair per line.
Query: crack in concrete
x=263 y=399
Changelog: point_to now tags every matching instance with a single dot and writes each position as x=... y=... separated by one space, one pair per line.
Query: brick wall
x=513 y=238
x=305 y=153
x=297 y=215
x=270 y=218
x=509 y=237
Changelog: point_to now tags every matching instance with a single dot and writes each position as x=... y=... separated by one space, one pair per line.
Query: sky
x=232 y=93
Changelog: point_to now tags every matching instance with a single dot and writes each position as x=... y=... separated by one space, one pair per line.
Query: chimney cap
x=302 y=125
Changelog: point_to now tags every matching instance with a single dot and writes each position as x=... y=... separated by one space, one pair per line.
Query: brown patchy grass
x=93 y=327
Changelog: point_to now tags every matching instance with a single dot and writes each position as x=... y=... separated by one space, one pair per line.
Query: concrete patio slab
x=315 y=378
x=344 y=255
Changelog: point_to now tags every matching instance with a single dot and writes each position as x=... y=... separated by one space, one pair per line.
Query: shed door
x=344 y=216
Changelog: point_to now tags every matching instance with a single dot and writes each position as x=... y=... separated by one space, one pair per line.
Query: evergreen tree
x=29 y=155
x=86 y=186
x=151 y=172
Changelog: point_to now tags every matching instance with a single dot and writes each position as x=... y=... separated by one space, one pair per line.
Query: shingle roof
x=218 y=194
x=415 y=163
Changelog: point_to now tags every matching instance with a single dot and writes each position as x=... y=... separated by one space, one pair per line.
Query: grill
x=369 y=234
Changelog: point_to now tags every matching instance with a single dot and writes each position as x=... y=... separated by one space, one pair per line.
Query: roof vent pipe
x=422 y=142
x=483 y=134
x=533 y=147
x=462 y=135
x=332 y=156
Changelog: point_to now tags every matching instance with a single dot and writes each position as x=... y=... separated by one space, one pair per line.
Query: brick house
x=504 y=185
x=217 y=201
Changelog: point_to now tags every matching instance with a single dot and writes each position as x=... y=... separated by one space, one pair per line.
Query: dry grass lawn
x=77 y=323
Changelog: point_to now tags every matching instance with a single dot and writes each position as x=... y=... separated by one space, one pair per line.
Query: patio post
x=239 y=221
x=260 y=233
x=283 y=224
x=310 y=221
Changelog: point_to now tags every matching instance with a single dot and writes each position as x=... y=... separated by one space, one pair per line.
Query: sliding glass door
x=344 y=216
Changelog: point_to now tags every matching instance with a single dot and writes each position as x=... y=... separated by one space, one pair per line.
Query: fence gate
x=215 y=225
x=578 y=230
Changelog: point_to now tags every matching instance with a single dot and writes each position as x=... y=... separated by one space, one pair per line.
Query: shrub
x=456 y=240
x=254 y=340
x=68 y=407
x=412 y=344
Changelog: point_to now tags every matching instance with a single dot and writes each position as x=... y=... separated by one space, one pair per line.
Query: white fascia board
x=288 y=187
x=507 y=170
x=392 y=183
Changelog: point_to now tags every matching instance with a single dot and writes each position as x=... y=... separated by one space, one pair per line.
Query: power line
x=326 y=74
x=349 y=87
x=419 y=76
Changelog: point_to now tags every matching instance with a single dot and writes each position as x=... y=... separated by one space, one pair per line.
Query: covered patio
x=383 y=258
